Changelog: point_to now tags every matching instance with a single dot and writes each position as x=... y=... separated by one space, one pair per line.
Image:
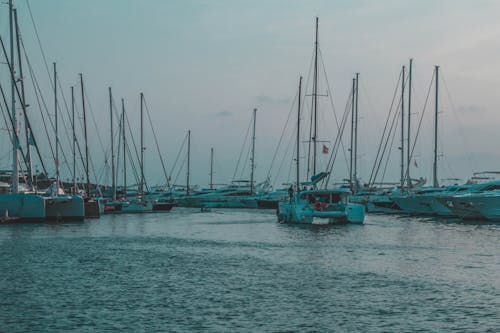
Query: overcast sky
x=204 y=65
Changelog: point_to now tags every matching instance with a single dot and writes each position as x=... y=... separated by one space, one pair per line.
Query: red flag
x=325 y=149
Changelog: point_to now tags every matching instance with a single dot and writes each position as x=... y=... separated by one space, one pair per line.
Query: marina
x=247 y=173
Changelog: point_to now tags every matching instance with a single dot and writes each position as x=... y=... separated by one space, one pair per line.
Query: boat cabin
x=325 y=199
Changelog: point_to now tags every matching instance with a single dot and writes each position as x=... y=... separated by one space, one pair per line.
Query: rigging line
x=422 y=115
x=15 y=136
x=282 y=135
x=377 y=156
x=33 y=78
x=156 y=143
x=12 y=77
x=133 y=141
x=457 y=119
x=390 y=150
x=385 y=136
x=347 y=107
x=39 y=41
x=330 y=97
x=242 y=149
x=132 y=164
x=95 y=123
x=393 y=127
x=39 y=96
x=290 y=168
x=178 y=155
x=288 y=146
x=338 y=141
x=117 y=166
x=247 y=157
x=7 y=127
x=180 y=169
x=311 y=120
x=392 y=132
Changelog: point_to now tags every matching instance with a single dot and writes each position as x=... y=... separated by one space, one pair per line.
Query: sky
x=205 y=65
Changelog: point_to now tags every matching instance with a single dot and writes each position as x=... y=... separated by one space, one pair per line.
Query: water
x=240 y=271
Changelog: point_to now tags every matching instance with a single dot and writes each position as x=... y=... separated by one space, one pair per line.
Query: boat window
x=492 y=187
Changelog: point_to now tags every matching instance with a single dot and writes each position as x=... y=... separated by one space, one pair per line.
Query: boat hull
x=25 y=207
x=65 y=208
x=290 y=213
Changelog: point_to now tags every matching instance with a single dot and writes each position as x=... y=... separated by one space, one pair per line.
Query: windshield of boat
x=324 y=197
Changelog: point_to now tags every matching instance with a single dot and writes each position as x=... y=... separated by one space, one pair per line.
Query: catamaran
x=316 y=206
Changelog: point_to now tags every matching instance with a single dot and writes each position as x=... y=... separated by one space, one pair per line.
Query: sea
x=242 y=271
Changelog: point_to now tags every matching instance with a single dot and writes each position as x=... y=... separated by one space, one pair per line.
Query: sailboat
x=23 y=206
x=59 y=205
x=409 y=202
x=317 y=206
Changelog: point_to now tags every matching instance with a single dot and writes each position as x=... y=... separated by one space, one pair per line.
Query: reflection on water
x=240 y=270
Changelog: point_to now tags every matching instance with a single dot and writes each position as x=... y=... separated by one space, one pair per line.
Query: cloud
x=265 y=99
x=471 y=109
x=223 y=114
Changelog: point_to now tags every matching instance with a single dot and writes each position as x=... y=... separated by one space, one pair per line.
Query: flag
x=325 y=149
x=415 y=163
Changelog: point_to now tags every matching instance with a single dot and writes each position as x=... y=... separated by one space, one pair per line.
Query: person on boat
x=290 y=193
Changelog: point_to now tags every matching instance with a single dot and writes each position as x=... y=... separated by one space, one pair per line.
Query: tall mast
x=124 y=152
x=402 y=180
x=434 y=167
x=252 y=167
x=408 y=151
x=85 y=136
x=211 y=168
x=188 y=162
x=298 y=136
x=113 y=171
x=141 y=185
x=351 y=150
x=23 y=102
x=315 y=100
x=15 y=157
x=74 y=136
x=57 y=129
x=355 y=155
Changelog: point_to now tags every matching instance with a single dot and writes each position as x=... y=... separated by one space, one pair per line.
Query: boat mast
x=57 y=129
x=298 y=136
x=315 y=100
x=141 y=185
x=211 y=168
x=23 y=102
x=113 y=171
x=124 y=152
x=74 y=137
x=434 y=167
x=15 y=157
x=402 y=129
x=355 y=154
x=252 y=167
x=85 y=136
x=188 y=162
x=351 y=150
x=408 y=152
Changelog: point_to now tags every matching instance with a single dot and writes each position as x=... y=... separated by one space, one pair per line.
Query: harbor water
x=241 y=271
